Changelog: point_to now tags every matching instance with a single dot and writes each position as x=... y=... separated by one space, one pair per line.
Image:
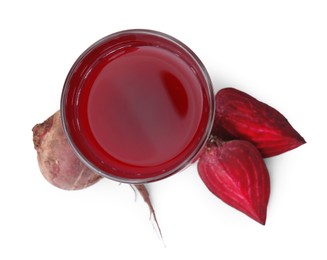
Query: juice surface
x=142 y=107
x=137 y=106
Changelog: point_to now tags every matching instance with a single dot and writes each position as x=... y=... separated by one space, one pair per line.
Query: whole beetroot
x=62 y=168
x=57 y=160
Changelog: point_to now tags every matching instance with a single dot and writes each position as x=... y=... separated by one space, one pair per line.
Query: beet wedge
x=241 y=116
x=235 y=172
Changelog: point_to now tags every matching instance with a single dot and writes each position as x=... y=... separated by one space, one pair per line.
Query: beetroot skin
x=57 y=160
x=62 y=168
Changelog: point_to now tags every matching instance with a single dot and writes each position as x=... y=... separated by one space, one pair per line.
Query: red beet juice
x=137 y=106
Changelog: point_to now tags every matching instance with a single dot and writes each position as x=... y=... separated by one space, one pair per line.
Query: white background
x=274 y=50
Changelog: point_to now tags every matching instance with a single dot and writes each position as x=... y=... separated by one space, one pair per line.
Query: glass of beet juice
x=137 y=106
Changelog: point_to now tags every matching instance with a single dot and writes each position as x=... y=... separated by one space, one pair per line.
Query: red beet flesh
x=236 y=173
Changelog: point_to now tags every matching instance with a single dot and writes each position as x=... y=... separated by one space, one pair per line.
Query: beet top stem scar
x=137 y=106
